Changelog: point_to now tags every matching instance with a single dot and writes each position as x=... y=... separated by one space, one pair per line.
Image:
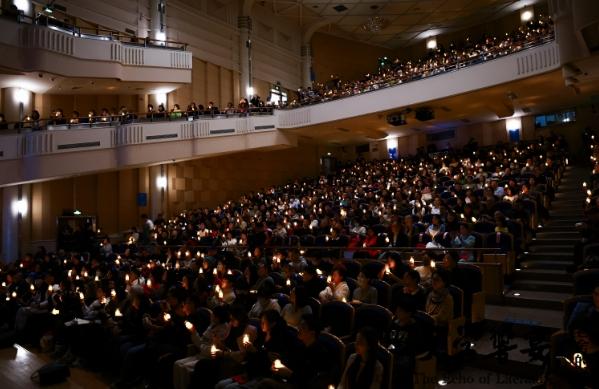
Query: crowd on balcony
x=252 y=292
x=437 y=61
x=245 y=107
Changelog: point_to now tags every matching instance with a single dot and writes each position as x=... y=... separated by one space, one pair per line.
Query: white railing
x=38 y=42
x=56 y=141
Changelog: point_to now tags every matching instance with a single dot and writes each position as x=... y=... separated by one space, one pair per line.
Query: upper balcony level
x=42 y=44
x=64 y=150
x=460 y=78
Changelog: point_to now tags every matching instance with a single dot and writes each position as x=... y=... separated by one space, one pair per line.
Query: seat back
x=375 y=316
x=585 y=281
x=352 y=284
x=338 y=316
x=352 y=268
x=315 y=305
x=570 y=304
x=336 y=349
x=383 y=292
x=458 y=301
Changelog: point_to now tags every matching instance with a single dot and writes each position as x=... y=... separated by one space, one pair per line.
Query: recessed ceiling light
x=516 y=294
x=340 y=8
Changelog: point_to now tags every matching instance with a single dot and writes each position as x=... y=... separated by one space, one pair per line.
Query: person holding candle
x=208 y=371
x=337 y=288
x=212 y=339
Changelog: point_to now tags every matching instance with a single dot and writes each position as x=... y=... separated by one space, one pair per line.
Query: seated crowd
x=437 y=61
x=301 y=285
x=124 y=115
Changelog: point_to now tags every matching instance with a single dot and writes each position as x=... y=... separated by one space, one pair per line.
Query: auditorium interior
x=249 y=194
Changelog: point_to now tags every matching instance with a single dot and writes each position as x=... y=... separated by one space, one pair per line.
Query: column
x=158 y=19
x=306 y=65
x=158 y=187
x=16 y=103
x=16 y=208
x=245 y=55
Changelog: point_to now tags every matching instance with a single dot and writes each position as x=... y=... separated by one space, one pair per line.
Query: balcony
x=40 y=46
x=60 y=151
x=461 y=79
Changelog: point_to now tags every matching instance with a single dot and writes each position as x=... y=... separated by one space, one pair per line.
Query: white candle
x=278 y=364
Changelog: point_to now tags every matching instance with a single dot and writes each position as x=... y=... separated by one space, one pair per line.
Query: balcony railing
x=476 y=74
x=441 y=68
x=108 y=120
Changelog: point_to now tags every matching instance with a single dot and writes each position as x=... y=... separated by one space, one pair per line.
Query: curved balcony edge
x=523 y=64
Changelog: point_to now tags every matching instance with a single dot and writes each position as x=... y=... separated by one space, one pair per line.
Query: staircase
x=542 y=280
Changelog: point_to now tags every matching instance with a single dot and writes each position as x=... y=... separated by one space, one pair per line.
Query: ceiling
x=534 y=95
x=405 y=21
x=40 y=82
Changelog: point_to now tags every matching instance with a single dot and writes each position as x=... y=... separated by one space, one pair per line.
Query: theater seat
x=370 y=315
x=585 y=281
x=456 y=325
x=474 y=297
x=338 y=317
x=336 y=348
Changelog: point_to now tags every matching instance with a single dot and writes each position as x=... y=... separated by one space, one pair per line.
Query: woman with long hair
x=363 y=370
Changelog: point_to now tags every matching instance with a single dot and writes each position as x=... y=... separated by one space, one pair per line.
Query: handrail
x=44 y=20
x=129 y=118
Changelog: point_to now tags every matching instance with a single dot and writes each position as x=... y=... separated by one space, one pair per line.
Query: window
x=555 y=118
x=277 y=95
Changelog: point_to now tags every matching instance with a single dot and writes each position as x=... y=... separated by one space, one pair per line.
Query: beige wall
x=209 y=82
x=349 y=60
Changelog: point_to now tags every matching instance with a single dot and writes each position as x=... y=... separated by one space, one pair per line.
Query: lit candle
x=412 y=261
x=149 y=283
x=288 y=282
x=278 y=364
x=55 y=311
x=246 y=340
x=126 y=277
x=31 y=287
x=118 y=313
x=329 y=279
x=81 y=296
x=433 y=265
x=213 y=350
x=166 y=317
x=188 y=325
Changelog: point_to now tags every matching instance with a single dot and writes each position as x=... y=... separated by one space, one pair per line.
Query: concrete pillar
x=16 y=206
x=158 y=19
x=306 y=65
x=16 y=103
x=245 y=55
